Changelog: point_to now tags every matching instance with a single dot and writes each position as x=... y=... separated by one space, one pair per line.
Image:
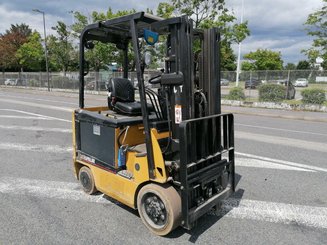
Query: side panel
x=99 y=141
x=113 y=185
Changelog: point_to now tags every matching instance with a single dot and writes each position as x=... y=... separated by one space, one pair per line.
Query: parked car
x=301 y=82
x=252 y=83
x=21 y=82
x=11 y=82
x=224 y=82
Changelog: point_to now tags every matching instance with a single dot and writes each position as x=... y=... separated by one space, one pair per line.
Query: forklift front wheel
x=159 y=208
x=87 y=181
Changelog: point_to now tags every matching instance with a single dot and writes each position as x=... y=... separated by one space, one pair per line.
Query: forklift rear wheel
x=87 y=180
x=159 y=208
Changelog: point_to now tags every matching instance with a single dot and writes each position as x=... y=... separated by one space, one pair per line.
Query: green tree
x=149 y=11
x=228 y=58
x=31 y=54
x=23 y=29
x=290 y=66
x=264 y=59
x=165 y=10
x=247 y=66
x=303 y=65
x=316 y=26
x=213 y=13
x=102 y=54
x=61 y=50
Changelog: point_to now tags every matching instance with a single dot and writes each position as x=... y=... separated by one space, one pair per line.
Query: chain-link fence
x=313 y=76
x=251 y=80
x=96 y=81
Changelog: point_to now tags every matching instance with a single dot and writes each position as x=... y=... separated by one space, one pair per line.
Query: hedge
x=271 y=92
x=236 y=93
x=313 y=96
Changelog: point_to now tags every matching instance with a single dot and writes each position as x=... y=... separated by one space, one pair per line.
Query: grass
x=247 y=99
x=318 y=85
x=241 y=84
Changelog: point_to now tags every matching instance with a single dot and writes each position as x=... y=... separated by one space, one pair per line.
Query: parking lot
x=280 y=197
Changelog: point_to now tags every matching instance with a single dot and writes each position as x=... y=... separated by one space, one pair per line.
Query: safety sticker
x=96 y=130
x=87 y=158
x=178 y=114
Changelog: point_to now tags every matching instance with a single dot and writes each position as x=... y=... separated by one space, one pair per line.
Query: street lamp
x=239 y=50
x=45 y=46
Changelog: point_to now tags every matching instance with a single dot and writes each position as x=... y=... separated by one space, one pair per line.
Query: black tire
x=159 y=208
x=86 y=179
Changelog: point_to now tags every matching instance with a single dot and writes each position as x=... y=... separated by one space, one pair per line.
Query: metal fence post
x=3 y=77
x=288 y=82
x=250 y=85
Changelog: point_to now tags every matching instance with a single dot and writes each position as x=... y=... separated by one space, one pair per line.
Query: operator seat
x=121 y=97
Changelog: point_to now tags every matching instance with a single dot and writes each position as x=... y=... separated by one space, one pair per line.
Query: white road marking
x=47 y=189
x=37 y=99
x=303 y=144
x=275 y=212
x=14 y=127
x=287 y=163
x=255 y=163
x=35 y=114
x=39 y=105
x=24 y=117
x=280 y=129
x=35 y=148
x=234 y=208
x=249 y=161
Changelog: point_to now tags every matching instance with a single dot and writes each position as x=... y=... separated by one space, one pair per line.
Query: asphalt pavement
x=280 y=198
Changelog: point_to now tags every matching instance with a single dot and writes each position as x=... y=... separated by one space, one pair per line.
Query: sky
x=274 y=24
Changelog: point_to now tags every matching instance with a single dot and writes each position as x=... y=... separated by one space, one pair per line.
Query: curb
x=275 y=106
x=304 y=118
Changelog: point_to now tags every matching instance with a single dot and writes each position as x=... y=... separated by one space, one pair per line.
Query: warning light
x=150 y=37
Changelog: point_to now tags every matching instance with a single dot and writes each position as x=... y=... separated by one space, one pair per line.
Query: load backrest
x=121 y=89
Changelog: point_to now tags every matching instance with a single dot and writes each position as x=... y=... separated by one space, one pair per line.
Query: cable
x=125 y=135
x=169 y=127
x=119 y=135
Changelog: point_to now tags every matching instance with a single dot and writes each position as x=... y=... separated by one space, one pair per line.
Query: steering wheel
x=155 y=79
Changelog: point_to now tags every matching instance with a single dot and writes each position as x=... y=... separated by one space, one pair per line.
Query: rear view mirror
x=147 y=58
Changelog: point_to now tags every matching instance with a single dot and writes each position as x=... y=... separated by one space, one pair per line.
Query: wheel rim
x=85 y=180
x=154 y=210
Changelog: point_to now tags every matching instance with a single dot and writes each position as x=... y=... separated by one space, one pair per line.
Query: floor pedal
x=125 y=173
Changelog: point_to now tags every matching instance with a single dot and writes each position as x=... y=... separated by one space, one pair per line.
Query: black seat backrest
x=122 y=89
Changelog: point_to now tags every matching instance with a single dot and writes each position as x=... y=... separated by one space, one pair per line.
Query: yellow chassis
x=114 y=185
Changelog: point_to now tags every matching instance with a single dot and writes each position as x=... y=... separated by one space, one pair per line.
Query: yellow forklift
x=169 y=155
